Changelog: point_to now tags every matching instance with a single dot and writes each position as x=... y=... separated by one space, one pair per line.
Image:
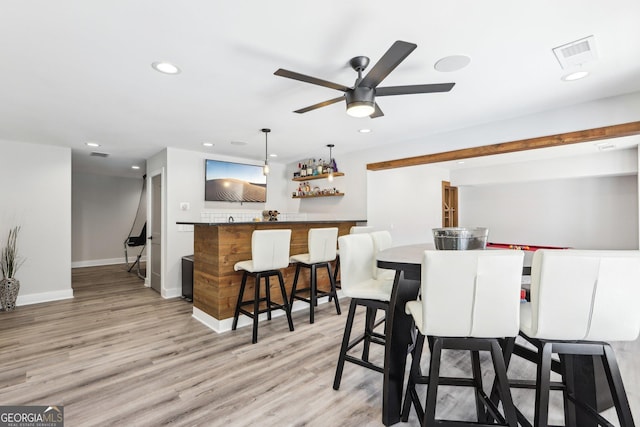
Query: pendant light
x=330 y=177
x=265 y=168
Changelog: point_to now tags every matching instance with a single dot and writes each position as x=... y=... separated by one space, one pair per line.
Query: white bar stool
x=579 y=299
x=322 y=244
x=269 y=254
x=469 y=300
x=365 y=289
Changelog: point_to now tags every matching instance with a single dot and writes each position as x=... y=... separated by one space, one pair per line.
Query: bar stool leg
x=434 y=380
x=411 y=396
x=345 y=344
x=295 y=284
x=313 y=298
x=334 y=292
x=500 y=368
x=256 y=309
x=370 y=319
x=477 y=380
x=267 y=287
x=566 y=371
x=240 y=296
x=287 y=306
x=543 y=386
x=616 y=386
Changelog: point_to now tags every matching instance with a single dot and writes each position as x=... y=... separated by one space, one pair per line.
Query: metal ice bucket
x=460 y=238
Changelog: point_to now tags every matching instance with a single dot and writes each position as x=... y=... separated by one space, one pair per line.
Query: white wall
x=604 y=112
x=185 y=183
x=35 y=193
x=103 y=209
x=411 y=205
x=582 y=213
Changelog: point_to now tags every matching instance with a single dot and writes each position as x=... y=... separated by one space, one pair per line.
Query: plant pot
x=9 y=288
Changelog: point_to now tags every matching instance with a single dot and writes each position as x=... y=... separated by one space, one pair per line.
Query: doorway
x=156 y=233
x=449 y=205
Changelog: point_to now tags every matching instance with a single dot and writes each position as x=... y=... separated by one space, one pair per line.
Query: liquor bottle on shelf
x=303 y=169
x=309 y=168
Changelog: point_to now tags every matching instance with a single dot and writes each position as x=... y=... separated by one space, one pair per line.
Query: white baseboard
x=44 y=297
x=171 y=293
x=224 y=325
x=107 y=261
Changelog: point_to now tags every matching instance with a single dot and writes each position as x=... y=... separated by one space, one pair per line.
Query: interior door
x=156 y=232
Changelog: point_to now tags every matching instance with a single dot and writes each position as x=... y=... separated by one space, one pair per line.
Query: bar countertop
x=324 y=221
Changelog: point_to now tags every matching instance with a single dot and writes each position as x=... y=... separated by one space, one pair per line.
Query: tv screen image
x=234 y=182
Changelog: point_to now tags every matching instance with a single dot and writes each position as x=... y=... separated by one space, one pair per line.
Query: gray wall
x=35 y=193
x=103 y=209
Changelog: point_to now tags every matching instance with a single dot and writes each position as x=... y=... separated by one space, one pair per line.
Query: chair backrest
x=356 y=260
x=381 y=241
x=471 y=293
x=322 y=244
x=356 y=229
x=270 y=249
x=585 y=294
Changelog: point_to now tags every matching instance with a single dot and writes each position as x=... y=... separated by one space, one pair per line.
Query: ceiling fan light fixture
x=360 y=102
x=360 y=109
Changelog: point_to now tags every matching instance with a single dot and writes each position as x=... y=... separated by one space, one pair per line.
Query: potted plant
x=10 y=262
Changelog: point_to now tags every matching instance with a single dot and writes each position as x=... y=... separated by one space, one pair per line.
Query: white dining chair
x=269 y=254
x=579 y=301
x=469 y=301
x=358 y=283
x=322 y=244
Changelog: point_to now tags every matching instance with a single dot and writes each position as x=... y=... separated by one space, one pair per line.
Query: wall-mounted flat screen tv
x=234 y=182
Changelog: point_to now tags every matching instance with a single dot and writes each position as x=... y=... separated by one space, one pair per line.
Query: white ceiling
x=78 y=71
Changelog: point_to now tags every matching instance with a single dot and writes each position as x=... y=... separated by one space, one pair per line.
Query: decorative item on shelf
x=10 y=262
x=265 y=168
x=331 y=162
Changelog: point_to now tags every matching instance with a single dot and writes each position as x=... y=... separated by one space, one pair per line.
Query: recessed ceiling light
x=135 y=167
x=273 y=155
x=92 y=144
x=165 y=67
x=208 y=144
x=364 y=130
x=238 y=143
x=461 y=162
x=575 y=76
x=452 y=63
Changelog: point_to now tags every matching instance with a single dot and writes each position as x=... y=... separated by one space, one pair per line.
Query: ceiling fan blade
x=408 y=90
x=308 y=79
x=377 y=113
x=320 y=105
x=389 y=61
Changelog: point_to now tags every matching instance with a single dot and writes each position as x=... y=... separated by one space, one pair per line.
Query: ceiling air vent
x=98 y=154
x=576 y=53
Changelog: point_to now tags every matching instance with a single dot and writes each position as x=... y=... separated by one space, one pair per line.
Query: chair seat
x=244 y=265
x=414 y=308
x=378 y=289
x=305 y=259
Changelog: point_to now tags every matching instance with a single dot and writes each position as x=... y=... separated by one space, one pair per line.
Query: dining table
x=407 y=263
x=406 y=260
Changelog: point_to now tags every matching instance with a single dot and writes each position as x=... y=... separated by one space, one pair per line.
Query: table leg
x=398 y=339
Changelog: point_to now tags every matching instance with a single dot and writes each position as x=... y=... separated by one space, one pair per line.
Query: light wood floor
x=119 y=354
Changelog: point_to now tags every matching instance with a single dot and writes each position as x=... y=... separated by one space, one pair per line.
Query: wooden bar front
x=217 y=247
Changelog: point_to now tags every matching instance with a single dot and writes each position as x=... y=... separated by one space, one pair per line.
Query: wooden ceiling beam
x=606 y=132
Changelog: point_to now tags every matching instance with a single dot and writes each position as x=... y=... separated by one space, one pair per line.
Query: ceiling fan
x=361 y=97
